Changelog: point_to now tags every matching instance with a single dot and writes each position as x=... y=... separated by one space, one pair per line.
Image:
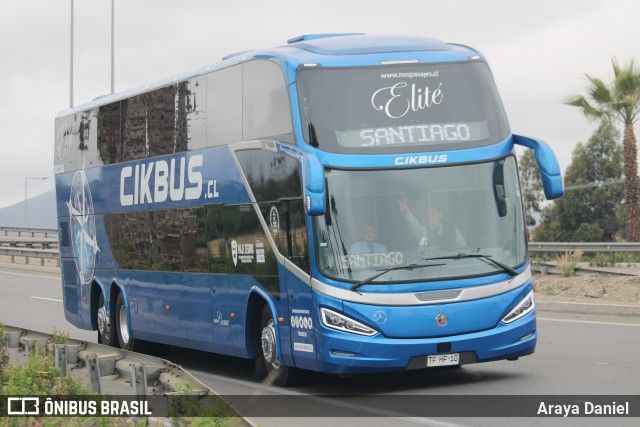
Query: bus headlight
x=523 y=307
x=338 y=321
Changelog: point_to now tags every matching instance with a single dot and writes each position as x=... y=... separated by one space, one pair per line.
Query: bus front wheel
x=268 y=360
x=105 y=323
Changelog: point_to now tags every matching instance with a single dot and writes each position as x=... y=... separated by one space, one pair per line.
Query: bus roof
x=329 y=49
x=359 y=44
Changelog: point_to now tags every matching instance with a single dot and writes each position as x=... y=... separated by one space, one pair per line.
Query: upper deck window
x=400 y=108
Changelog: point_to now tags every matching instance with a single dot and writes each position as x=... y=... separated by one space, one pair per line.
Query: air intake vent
x=64 y=234
x=69 y=272
x=70 y=289
x=438 y=295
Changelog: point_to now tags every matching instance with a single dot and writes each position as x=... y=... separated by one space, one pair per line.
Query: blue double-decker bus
x=344 y=203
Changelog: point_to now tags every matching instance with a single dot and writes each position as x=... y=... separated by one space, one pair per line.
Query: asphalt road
x=576 y=355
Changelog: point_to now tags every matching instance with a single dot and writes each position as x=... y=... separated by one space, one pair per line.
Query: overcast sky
x=538 y=51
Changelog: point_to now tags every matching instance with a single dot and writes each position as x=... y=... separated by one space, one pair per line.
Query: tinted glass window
x=224 y=105
x=418 y=107
x=166 y=125
x=76 y=145
x=193 y=102
x=379 y=219
x=286 y=221
x=271 y=176
x=168 y=120
x=130 y=238
x=64 y=156
x=266 y=111
x=109 y=133
x=248 y=250
x=186 y=240
x=215 y=240
x=137 y=114
x=275 y=182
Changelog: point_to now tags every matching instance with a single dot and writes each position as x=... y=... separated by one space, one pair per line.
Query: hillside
x=41 y=212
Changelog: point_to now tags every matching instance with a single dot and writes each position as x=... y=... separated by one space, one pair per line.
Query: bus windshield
x=381 y=219
x=400 y=108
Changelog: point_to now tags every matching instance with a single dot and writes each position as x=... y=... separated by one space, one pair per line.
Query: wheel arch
x=256 y=302
x=97 y=288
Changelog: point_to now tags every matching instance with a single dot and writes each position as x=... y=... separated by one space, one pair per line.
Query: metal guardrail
x=23 y=245
x=161 y=376
x=587 y=247
x=611 y=248
x=120 y=374
x=29 y=232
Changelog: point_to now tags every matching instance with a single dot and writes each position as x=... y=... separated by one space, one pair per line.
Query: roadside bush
x=60 y=337
x=40 y=376
x=568 y=261
x=627 y=257
x=600 y=260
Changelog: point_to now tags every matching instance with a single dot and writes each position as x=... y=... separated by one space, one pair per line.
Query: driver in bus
x=367 y=244
x=438 y=231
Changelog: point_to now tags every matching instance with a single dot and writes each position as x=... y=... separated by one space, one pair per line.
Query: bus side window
x=110 y=133
x=135 y=116
x=276 y=185
x=266 y=111
x=215 y=239
x=193 y=104
x=248 y=251
x=167 y=126
x=296 y=240
x=224 y=106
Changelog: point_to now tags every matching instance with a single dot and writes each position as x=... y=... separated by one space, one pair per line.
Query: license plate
x=450 y=359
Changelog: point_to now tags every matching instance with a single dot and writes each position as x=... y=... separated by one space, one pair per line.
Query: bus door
x=295 y=246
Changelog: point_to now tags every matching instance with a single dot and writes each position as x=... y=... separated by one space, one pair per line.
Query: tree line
x=601 y=183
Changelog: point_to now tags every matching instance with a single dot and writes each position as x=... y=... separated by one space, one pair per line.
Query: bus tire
x=125 y=339
x=105 y=323
x=268 y=361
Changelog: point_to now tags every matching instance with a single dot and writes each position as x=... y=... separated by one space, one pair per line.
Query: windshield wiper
x=386 y=270
x=462 y=255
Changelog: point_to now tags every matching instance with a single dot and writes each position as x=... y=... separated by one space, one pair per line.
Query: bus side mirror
x=313 y=185
x=548 y=164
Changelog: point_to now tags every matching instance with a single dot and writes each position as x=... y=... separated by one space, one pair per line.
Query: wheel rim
x=268 y=338
x=124 y=329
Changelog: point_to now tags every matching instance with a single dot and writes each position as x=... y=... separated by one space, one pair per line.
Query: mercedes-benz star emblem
x=380 y=317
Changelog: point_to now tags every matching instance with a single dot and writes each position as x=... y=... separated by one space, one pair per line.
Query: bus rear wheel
x=268 y=361
x=125 y=339
x=105 y=323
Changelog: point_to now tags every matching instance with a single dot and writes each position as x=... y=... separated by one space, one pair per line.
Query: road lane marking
x=259 y=389
x=591 y=322
x=48 y=299
x=428 y=422
x=30 y=275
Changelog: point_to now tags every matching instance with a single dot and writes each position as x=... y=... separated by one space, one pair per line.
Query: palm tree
x=619 y=102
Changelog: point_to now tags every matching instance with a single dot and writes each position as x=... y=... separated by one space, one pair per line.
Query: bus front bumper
x=344 y=353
